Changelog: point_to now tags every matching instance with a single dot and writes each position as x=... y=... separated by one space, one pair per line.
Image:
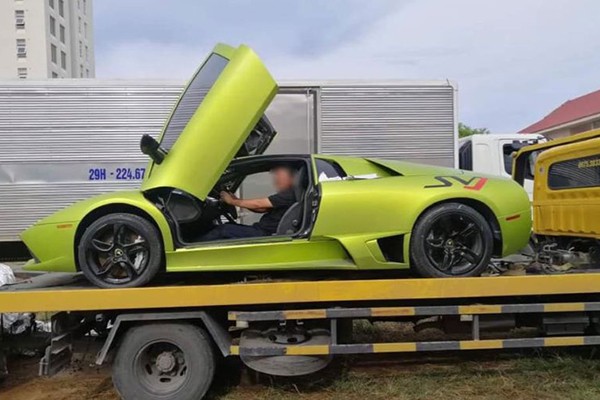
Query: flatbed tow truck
x=294 y=328
x=166 y=338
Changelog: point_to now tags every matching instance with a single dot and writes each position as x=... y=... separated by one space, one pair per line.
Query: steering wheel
x=227 y=210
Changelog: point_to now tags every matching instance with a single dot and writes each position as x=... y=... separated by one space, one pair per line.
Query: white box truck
x=59 y=137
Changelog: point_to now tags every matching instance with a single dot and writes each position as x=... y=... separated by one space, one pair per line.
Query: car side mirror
x=151 y=148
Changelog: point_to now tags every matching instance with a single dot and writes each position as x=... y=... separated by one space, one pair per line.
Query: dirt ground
x=80 y=381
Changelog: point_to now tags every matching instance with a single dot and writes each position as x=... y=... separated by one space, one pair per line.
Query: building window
x=78 y=4
x=63 y=60
x=53 y=51
x=87 y=54
x=52 y=26
x=61 y=8
x=51 y=3
x=85 y=30
x=81 y=71
x=22 y=73
x=80 y=49
x=54 y=75
x=62 y=34
x=79 y=24
x=20 y=19
x=21 y=48
x=84 y=7
x=87 y=73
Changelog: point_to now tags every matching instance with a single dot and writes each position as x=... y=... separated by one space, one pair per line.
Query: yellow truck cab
x=566 y=195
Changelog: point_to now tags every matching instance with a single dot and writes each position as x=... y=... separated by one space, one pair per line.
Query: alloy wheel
x=117 y=253
x=454 y=244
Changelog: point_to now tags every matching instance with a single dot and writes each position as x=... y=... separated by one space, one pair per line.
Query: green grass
x=488 y=375
x=523 y=378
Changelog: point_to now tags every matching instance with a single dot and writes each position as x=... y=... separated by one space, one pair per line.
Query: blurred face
x=283 y=178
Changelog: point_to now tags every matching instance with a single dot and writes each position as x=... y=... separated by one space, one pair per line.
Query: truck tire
x=451 y=240
x=166 y=361
x=120 y=250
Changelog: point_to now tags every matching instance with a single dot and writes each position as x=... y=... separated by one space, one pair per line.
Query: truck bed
x=72 y=293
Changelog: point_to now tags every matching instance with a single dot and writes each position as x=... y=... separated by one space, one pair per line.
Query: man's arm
x=256 y=205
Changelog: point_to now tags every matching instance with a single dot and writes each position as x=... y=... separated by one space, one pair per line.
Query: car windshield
x=192 y=98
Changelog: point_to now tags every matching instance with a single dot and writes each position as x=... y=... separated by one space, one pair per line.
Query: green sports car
x=350 y=213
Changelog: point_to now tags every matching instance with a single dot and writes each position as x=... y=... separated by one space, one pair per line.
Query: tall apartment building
x=46 y=39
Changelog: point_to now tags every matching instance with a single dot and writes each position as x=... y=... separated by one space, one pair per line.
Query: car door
x=264 y=253
x=219 y=116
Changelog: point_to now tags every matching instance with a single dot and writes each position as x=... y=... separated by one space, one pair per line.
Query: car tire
x=120 y=250
x=451 y=240
x=165 y=361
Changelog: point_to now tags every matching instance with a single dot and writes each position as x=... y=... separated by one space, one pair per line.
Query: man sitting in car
x=273 y=208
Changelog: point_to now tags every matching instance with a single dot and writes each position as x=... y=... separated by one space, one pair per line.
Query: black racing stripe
x=262 y=351
x=591 y=340
x=591 y=307
x=520 y=343
x=260 y=316
x=522 y=308
x=351 y=349
x=348 y=312
x=438 y=346
x=441 y=310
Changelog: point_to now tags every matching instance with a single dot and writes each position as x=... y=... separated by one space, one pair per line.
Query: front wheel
x=120 y=250
x=451 y=239
x=166 y=361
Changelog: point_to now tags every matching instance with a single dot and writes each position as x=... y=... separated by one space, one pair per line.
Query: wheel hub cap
x=165 y=362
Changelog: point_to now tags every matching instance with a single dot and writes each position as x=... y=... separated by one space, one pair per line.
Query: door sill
x=234 y=242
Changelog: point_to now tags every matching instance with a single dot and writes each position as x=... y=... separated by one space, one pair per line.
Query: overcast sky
x=513 y=60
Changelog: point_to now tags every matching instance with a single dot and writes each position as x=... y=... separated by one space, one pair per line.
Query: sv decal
x=474 y=183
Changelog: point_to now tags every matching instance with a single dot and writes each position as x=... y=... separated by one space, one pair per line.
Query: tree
x=465 y=130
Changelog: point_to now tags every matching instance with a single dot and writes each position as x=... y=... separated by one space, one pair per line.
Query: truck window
x=576 y=173
x=465 y=156
x=507 y=152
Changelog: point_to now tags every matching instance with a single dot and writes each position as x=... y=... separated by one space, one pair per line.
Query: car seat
x=291 y=221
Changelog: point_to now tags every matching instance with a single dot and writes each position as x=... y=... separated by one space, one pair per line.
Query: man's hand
x=228 y=198
x=256 y=205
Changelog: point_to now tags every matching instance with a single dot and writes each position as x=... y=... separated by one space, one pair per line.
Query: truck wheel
x=451 y=239
x=164 y=361
x=120 y=250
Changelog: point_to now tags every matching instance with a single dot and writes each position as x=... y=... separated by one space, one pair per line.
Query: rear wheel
x=451 y=239
x=120 y=250
x=164 y=361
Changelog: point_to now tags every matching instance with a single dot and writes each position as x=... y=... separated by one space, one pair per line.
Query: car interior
x=190 y=218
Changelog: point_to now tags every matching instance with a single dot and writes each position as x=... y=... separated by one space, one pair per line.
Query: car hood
x=219 y=116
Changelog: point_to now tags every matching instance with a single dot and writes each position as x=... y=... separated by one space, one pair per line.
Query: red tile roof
x=571 y=110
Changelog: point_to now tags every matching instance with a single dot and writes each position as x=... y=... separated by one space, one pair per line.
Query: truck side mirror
x=531 y=162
